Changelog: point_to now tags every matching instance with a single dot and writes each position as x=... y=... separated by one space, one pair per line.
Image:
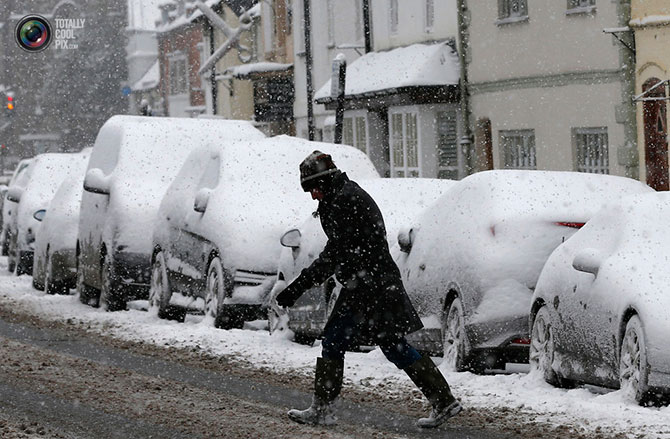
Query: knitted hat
x=316 y=170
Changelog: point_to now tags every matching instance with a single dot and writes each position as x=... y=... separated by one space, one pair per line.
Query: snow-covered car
x=399 y=199
x=8 y=206
x=133 y=162
x=218 y=228
x=471 y=263
x=44 y=175
x=55 y=262
x=600 y=309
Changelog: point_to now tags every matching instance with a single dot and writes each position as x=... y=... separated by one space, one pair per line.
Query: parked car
x=218 y=228
x=55 y=262
x=8 y=206
x=600 y=310
x=399 y=199
x=471 y=264
x=133 y=162
x=44 y=175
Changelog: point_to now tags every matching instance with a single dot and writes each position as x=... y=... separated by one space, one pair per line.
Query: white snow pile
x=399 y=199
x=255 y=195
x=411 y=66
x=582 y=408
x=493 y=232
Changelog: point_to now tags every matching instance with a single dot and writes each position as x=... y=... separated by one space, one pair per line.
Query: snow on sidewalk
x=529 y=395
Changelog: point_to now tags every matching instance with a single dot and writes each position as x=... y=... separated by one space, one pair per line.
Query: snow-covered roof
x=185 y=19
x=412 y=66
x=246 y=70
x=150 y=79
x=651 y=20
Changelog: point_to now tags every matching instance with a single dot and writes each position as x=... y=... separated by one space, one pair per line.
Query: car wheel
x=87 y=295
x=541 y=354
x=159 y=293
x=633 y=366
x=11 y=255
x=454 y=338
x=302 y=338
x=51 y=285
x=23 y=264
x=215 y=312
x=111 y=298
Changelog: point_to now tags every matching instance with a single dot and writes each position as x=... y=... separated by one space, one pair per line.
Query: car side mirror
x=96 y=182
x=588 y=260
x=406 y=239
x=14 y=194
x=201 y=200
x=39 y=215
x=291 y=239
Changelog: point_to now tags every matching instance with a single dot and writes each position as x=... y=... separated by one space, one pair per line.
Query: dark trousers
x=342 y=331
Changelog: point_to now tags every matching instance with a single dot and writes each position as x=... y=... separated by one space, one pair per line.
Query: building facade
x=650 y=22
x=550 y=87
x=402 y=98
x=181 y=50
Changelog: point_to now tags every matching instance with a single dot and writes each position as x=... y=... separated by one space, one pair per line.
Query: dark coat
x=357 y=253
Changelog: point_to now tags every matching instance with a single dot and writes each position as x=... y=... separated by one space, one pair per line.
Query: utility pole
x=337 y=90
x=308 y=67
x=465 y=141
x=212 y=75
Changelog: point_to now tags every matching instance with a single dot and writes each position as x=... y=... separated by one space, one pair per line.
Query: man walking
x=372 y=307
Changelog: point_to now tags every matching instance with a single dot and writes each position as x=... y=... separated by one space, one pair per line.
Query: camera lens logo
x=33 y=33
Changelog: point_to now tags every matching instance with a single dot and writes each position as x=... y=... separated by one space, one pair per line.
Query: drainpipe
x=308 y=67
x=465 y=141
x=212 y=77
x=367 y=27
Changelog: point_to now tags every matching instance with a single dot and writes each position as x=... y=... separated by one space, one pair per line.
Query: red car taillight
x=523 y=341
x=571 y=225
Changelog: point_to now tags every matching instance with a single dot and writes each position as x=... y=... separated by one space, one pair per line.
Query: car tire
x=223 y=317
x=541 y=355
x=159 y=291
x=454 y=338
x=633 y=364
x=111 y=296
x=52 y=286
x=11 y=255
x=305 y=339
x=37 y=284
x=87 y=295
x=23 y=264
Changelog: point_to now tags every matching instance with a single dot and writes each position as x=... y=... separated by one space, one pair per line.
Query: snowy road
x=132 y=372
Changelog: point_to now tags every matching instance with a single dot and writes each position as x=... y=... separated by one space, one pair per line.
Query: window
x=591 y=150
x=393 y=16
x=430 y=15
x=355 y=133
x=404 y=145
x=518 y=149
x=512 y=10
x=178 y=75
x=447 y=145
x=574 y=4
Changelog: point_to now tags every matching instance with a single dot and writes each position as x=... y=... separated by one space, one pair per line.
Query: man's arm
x=319 y=270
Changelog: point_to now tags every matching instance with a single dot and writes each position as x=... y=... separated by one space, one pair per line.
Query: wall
x=411 y=22
x=551 y=73
x=652 y=58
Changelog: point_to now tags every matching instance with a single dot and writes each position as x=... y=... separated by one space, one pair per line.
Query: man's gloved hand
x=288 y=297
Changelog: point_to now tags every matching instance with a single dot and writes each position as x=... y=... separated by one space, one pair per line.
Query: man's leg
x=328 y=375
x=422 y=371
